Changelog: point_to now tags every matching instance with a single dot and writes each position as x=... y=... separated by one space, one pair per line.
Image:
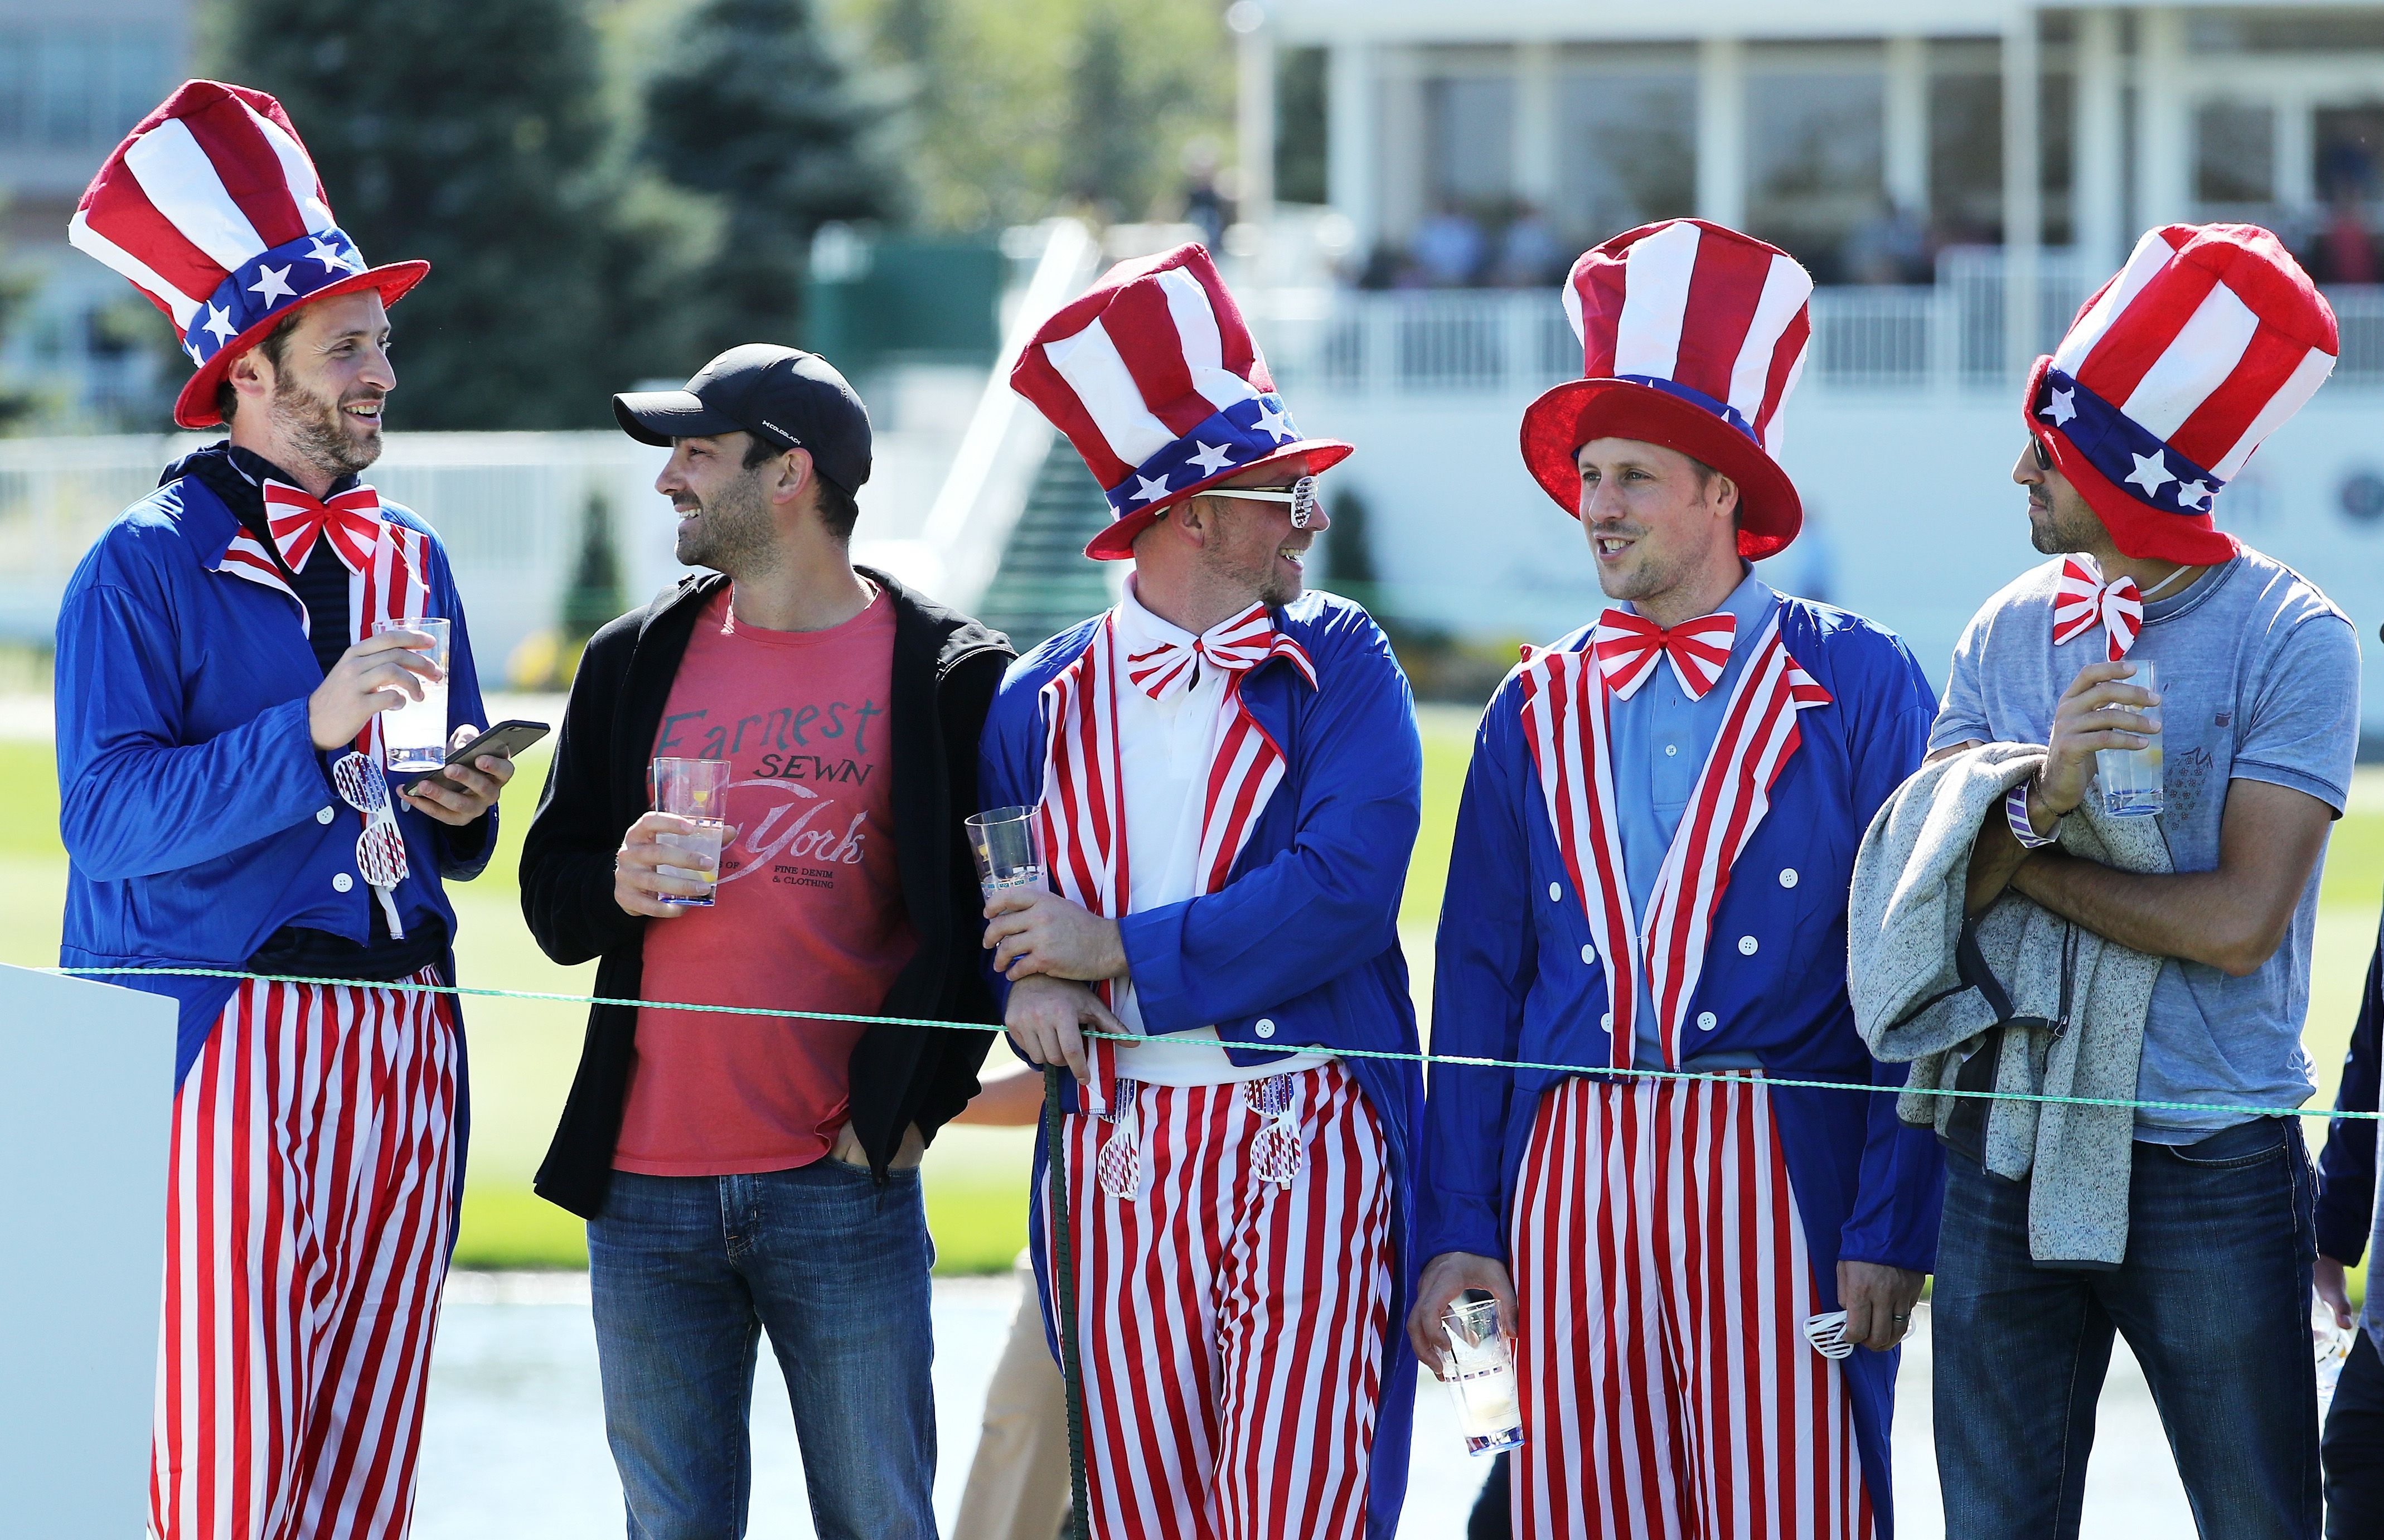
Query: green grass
x=522 y=1052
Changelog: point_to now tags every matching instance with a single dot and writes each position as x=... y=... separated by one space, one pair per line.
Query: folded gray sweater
x=2074 y=1003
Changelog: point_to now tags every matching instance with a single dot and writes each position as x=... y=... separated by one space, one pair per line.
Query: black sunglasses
x=2044 y=455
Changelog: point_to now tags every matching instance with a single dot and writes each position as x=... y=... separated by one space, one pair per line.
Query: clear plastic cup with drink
x=1478 y=1368
x=697 y=790
x=414 y=736
x=2129 y=780
x=1009 y=848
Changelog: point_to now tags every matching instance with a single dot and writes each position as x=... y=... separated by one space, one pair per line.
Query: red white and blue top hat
x=1692 y=337
x=212 y=208
x=1152 y=375
x=2204 y=344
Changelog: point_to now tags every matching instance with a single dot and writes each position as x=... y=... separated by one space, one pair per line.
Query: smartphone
x=506 y=739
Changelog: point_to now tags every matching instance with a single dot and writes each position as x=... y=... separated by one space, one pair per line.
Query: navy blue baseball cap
x=782 y=396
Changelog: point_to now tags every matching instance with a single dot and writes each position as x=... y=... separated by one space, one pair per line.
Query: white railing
x=1944 y=337
x=508 y=506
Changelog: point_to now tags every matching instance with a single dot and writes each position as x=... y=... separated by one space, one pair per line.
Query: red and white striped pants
x=1667 y=1384
x=1231 y=1328
x=306 y=1233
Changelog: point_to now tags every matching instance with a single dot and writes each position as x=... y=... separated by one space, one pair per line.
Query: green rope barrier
x=1460 y=1059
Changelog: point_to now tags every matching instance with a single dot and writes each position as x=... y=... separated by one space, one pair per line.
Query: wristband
x=2016 y=814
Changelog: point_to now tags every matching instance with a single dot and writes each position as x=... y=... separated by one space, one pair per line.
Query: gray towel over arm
x=2075 y=1001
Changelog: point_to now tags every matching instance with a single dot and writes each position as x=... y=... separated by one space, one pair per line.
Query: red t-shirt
x=808 y=911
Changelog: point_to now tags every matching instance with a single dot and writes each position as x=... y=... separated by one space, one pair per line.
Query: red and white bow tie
x=1168 y=668
x=297 y=518
x=2081 y=598
x=1628 y=646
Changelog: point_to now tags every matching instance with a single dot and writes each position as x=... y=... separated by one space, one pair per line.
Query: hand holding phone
x=506 y=741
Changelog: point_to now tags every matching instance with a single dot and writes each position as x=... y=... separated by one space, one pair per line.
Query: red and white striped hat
x=2204 y=344
x=1692 y=337
x=1154 y=378
x=212 y=208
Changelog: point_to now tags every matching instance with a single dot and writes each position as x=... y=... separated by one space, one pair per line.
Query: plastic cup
x=2129 y=780
x=695 y=790
x=1479 y=1370
x=414 y=736
x=1008 y=847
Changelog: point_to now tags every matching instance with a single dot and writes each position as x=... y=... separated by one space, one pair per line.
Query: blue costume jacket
x=1305 y=932
x=198 y=817
x=1867 y=1187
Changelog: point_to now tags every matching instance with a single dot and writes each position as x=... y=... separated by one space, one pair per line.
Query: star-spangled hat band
x=2124 y=453
x=1241 y=435
x=266 y=286
x=212 y=208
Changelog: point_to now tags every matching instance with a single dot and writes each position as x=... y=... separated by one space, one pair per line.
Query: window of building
x=1814 y=152
x=2235 y=154
x=69 y=87
x=1299 y=127
x=1626 y=149
x=2280 y=30
x=1470 y=142
x=1966 y=149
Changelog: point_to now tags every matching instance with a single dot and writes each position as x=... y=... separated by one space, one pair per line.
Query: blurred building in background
x=74 y=78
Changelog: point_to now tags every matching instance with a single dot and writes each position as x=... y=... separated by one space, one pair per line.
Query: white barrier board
x=86 y=1095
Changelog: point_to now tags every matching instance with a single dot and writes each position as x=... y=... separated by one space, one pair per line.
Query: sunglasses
x=380 y=850
x=2044 y=455
x=1300 y=494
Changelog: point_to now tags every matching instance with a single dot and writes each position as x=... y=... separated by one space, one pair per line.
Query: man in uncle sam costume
x=2205 y=344
x=225 y=806
x=1651 y=867
x=1229 y=783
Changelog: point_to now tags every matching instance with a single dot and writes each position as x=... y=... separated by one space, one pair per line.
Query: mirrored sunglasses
x=2043 y=454
x=380 y=850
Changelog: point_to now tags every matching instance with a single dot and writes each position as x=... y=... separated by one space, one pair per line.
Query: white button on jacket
x=343 y=882
x=1746 y=946
x=324 y=816
x=1265 y=1028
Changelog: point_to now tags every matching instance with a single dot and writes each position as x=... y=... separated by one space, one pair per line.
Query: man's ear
x=251 y=374
x=1725 y=494
x=1196 y=516
x=793 y=473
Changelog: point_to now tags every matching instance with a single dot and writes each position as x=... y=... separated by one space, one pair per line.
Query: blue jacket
x=1305 y=932
x=1867 y=1187
x=198 y=817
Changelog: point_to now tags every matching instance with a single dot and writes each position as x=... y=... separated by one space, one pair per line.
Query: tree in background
x=757 y=106
x=1020 y=107
x=594 y=595
x=476 y=135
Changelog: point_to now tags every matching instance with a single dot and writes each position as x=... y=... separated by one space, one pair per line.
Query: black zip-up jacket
x=945 y=668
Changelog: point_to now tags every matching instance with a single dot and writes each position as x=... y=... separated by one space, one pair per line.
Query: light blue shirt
x=1659 y=741
x=2259 y=681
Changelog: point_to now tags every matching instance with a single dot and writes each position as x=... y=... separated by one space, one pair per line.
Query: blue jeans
x=688 y=1272
x=2214 y=1300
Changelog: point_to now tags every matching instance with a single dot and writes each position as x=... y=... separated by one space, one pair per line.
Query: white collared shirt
x=1166 y=748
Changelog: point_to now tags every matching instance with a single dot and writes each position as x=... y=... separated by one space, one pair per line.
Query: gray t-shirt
x=2259 y=681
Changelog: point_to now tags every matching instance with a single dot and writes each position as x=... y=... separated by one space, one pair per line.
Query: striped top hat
x=212 y=208
x=1153 y=376
x=1692 y=337
x=2204 y=344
